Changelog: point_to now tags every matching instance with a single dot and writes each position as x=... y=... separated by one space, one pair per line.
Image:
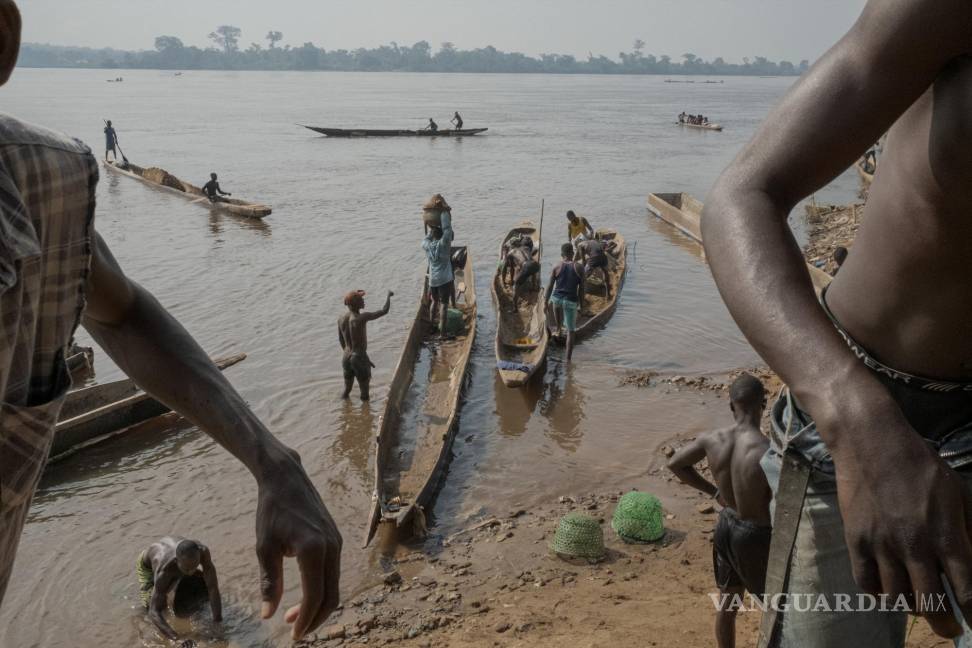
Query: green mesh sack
x=578 y=536
x=638 y=518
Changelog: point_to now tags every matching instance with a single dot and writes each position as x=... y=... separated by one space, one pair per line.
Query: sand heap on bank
x=163 y=177
x=830 y=226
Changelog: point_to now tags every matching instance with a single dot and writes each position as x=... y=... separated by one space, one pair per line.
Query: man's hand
x=162 y=625
x=906 y=520
x=293 y=521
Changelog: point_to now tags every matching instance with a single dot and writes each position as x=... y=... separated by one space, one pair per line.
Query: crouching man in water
x=353 y=336
x=163 y=565
x=879 y=368
x=740 y=546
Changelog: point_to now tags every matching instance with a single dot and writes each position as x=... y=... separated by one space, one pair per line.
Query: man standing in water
x=163 y=565
x=212 y=189
x=879 y=369
x=111 y=141
x=56 y=271
x=565 y=293
x=353 y=336
x=740 y=545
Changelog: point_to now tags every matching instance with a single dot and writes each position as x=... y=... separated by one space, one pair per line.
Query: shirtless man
x=212 y=189
x=163 y=565
x=879 y=377
x=353 y=336
x=741 y=541
x=594 y=253
x=520 y=266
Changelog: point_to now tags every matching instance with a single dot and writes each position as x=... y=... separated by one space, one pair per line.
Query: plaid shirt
x=47 y=198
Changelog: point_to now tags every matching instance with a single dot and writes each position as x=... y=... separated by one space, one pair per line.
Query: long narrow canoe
x=366 y=132
x=711 y=127
x=684 y=212
x=418 y=425
x=230 y=205
x=597 y=309
x=521 y=335
x=95 y=413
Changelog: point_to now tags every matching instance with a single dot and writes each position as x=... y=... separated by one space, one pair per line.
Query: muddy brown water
x=346 y=215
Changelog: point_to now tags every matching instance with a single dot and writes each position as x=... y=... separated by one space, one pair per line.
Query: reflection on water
x=353 y=440
x=514 y=407
x=563 y=405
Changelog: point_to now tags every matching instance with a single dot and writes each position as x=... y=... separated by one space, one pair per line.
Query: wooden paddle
x=540 y=233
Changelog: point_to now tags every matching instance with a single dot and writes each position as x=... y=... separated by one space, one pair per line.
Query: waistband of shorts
x=733 y=515
x=917 y=382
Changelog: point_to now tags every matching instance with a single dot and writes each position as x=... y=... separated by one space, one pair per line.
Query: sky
x=777 y=29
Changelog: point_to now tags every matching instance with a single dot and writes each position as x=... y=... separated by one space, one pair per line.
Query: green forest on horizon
x=226 y=53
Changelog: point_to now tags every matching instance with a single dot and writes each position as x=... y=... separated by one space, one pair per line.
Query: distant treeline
x=171 y=54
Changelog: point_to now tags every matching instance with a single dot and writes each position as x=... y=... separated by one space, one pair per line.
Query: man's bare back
x=353 y=337
x=734 y=455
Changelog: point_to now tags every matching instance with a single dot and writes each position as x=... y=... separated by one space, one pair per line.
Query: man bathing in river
x=879 y=368
x=163 y=565
x=56 y=271
x=565 y=293
x=212 y=189
x=353 y=336
x=519 y=266
x=741 y=541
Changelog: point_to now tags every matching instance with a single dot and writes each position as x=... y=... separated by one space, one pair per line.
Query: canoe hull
x=194 y=193
x=618 y=269
x=529 y=322
x=365 y=132
x=437 y=408
x=685 y=213
x=708 y=127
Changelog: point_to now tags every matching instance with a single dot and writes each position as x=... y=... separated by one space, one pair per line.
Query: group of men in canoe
x=697 y=120
x=456 y=121
x=868 y=460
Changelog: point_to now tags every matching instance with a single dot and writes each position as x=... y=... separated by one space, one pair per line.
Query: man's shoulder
x=15 y=132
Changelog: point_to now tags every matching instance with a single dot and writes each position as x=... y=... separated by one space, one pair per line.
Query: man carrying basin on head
x=57 y=272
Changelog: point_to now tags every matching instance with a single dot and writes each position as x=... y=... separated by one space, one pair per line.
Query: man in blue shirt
x=438 y=248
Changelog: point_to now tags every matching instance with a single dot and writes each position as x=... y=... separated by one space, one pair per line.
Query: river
x=346 y=215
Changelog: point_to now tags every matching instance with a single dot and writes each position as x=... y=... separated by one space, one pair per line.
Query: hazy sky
x=776 y=29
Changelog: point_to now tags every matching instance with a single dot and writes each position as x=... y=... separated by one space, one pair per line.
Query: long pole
x=540 y=233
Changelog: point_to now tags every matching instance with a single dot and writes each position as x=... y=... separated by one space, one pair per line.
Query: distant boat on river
x=366 y=132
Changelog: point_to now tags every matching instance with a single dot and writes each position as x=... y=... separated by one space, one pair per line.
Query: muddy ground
x=830 y=226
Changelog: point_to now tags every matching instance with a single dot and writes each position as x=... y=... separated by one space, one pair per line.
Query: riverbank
x=828 y=227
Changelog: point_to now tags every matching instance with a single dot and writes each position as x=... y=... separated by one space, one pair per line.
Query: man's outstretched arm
x=682 y=465
x=148 y=344
x=373 y=315
x=890 y=57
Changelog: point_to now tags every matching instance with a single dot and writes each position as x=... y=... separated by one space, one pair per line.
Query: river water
x=346 y=215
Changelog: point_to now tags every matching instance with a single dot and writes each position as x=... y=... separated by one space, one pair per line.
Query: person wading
x=57 y=272
x=877 y=420
x=741 y=542
x=565 y=293
x=162 y=566
x=353 y=336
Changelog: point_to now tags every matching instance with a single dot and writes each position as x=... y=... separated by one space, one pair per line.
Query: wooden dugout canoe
x=96 y=413
x=685 y=213
x=711 y=127
x=370 y=132
x=418 y=425
x=597 y=310
x=229 y=205
x=521 y=336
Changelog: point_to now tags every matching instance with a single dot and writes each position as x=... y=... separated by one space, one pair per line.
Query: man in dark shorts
x=212 y=189
x=741 y=542
x=565 y=293
x=353 y=336
x=111 y=141
x=519 y=266
x=438 y=250
x=162 y=566
x=594 y=252
x=879 y=368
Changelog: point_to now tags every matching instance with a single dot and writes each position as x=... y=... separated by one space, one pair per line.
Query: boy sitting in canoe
x=212 y=189
x=353 y=336
x=565 y=293
x=163 y=566
x=740 y=545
